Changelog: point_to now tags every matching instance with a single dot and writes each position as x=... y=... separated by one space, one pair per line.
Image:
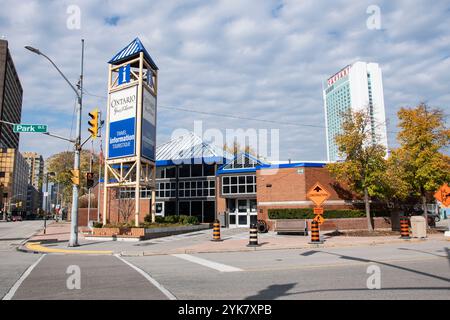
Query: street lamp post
x=46 y=200
x=75 y=188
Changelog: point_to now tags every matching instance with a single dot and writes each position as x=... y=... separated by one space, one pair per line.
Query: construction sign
x=319 y=219
x=443 y=195
x=318 y=194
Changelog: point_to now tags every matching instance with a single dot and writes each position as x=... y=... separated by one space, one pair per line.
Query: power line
x=215 y=114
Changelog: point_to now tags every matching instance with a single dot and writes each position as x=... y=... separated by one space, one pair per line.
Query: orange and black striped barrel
x=216 y=231
x=404 y=227
x=315 y=232
x=253 y=239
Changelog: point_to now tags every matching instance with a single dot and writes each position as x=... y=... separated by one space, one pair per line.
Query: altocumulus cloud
x=255 y=59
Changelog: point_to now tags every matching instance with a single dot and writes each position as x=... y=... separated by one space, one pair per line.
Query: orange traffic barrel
x=404 y=228
x=253 y=239
x=315 y=233
x=216 y=231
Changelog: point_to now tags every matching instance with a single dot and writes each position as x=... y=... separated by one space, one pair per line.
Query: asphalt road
x=418 y=271
x=12 y=234
x=86 y=277
x=407 y=271
x=13 y=263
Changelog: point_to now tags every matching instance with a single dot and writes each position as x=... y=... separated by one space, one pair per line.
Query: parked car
x=16 y=218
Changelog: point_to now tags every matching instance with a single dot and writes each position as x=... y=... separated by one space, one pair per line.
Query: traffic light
x=75 y=177
x=89 y=180
x=94 y=123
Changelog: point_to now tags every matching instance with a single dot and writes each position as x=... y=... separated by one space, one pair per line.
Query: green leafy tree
x=364 y=165
x=61 y=163
x=421 y=163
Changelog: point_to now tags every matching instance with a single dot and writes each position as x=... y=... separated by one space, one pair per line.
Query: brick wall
x=220 y=202
x=113 y=213
x=83 y=216
x=349 y=224
x=287 y=188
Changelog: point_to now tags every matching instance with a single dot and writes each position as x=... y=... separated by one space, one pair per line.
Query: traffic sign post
x=318 y=194
x=31 y=128
x=443 y=195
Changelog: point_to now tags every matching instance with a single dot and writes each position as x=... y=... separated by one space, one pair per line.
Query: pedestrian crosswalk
x=179 y=237
x=227 y=234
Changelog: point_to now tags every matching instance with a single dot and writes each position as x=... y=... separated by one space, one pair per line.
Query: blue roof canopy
x=132 y=50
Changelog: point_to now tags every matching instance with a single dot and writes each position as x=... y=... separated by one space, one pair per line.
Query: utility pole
x=75 y=188
x=89 y=188
x=100 y=163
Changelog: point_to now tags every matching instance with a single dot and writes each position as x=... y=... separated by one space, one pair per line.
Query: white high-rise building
x=357 y=86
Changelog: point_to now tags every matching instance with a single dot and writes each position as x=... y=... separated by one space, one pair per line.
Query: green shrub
x=307 y=213
x=158 y=219
x=191 y=220
x=148 y=218
x=97 y=224
x=171 y=219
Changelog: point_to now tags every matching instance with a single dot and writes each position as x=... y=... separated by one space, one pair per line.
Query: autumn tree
x=364 y=164
x=126 y=206
x=61 y=163
x=423 y=137
x=236 y=148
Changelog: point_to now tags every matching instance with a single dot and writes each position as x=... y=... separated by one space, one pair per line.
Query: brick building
x=199 y=179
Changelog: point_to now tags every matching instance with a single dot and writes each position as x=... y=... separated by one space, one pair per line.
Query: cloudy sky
x=260 y=59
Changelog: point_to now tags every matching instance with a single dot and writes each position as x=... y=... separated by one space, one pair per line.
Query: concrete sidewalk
x=233 y=240
x=56 y=232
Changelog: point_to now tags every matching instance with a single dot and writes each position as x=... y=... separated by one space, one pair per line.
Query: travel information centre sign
x=122 y=123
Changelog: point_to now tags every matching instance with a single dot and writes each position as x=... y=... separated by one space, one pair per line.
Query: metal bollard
x=216 y=231
x=404 y=228
x=253 y=240
x=315 y=233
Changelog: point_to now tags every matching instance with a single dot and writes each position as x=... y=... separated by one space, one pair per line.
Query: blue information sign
x=122 y=123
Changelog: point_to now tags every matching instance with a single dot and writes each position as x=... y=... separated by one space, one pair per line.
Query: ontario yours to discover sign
x=122 y=123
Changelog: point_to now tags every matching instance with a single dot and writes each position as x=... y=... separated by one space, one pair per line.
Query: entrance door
x=242 y=213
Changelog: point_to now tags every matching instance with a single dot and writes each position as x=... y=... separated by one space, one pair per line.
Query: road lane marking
x=207 y=263
x=161 y=288
x=337 y=265
x=36 y=246
x=16 y=286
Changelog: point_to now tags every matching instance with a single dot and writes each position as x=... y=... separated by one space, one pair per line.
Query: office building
x=357 y=86
x=35 y=179
x=13 y=181
x=36 y=164
x=11 y=93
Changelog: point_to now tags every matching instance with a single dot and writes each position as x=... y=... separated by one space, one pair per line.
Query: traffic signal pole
x=73 y=242
x=77 y=142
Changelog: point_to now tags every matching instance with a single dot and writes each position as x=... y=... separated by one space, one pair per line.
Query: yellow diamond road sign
x=318 y=194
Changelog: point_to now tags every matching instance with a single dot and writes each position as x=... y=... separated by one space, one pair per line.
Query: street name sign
x=318 y=194
x=21 y=128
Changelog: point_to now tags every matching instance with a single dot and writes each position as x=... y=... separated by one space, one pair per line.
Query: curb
x=262 y=248
x=36 y=247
